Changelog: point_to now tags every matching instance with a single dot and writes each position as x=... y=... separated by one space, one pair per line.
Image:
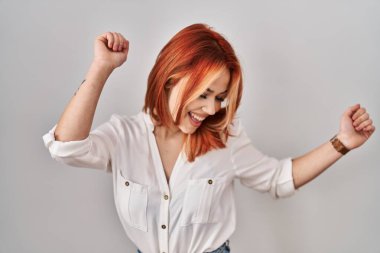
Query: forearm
x=313 y=163
x=76 y=120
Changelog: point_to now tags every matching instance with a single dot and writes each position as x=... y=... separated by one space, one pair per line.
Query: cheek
x=193 y=107
x=185 y=124
x=218 y=106
x=183 y=119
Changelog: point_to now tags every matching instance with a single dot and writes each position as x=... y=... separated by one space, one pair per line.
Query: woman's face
x=205 y=105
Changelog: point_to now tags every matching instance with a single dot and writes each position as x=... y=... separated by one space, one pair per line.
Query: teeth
x=196 y=117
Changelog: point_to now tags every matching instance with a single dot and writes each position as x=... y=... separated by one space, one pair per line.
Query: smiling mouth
x=195 y=119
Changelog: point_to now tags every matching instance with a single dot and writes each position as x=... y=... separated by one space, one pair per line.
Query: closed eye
x=220 y=99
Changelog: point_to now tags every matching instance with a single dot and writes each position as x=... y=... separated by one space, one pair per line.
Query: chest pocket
x=133 y=202
x=202 y=201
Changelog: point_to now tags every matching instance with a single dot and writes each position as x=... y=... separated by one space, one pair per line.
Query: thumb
x=351 y=110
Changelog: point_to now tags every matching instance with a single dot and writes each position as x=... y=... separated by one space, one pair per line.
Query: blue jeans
x=225 y=248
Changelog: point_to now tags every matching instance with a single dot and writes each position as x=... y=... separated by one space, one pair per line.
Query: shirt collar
x=148 y=121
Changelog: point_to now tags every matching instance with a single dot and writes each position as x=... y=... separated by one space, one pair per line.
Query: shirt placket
x=163 y=222
x=164 y=219
x=163 y=233
x=165 y=201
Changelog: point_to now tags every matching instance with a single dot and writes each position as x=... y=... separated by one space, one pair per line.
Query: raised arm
x=110 y=52
x=355 y=129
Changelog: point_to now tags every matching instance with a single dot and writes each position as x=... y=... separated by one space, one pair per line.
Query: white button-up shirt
x=195 y=211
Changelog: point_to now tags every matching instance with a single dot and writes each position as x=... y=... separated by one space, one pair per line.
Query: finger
x=125 y=46
x=361 y=119
x=358 y=113
x=364 y=124
x=351 y=110
x=110 y=39
x=117 y=42
x=125 y=41
x=122 y=40
x=369 y=128
x=369 y=132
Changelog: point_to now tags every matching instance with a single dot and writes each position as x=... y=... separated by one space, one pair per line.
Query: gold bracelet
x=338 y=145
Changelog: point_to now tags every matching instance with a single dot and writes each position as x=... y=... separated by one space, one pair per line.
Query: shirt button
x=166 y=196
x=210 y=181
x=126 y=183
x=163 y=226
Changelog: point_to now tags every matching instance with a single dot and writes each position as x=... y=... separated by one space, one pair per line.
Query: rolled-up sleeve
x=257 y=170
x=93 y=152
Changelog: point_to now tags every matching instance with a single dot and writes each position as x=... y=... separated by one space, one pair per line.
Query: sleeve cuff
x=65 y=149
x=285 y=184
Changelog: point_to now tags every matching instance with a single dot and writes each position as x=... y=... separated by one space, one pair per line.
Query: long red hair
x=194 y=52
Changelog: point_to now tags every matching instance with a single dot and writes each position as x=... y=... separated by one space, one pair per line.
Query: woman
x=174 y=163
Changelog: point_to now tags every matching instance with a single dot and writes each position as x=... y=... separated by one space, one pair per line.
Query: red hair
x=194 y=52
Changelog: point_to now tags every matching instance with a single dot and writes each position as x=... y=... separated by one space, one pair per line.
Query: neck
x=167 y=133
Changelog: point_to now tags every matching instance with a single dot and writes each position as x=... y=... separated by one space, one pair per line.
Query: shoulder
x=126 y=123
x=236 y=126
x=237 y=133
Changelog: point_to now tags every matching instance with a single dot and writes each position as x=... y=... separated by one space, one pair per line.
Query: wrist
x=344 y=139
x=102 y=66
x=99 y=72
x=339 y=142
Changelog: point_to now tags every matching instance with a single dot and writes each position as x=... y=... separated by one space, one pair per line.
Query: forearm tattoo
x=79 y=87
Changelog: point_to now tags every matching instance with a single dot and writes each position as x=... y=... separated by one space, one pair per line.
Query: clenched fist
x=111 y=49
x=356 y=127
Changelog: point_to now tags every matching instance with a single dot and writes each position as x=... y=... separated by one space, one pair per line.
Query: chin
x=188 y=129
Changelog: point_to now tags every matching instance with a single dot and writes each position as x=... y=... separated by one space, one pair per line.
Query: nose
x=209 y=108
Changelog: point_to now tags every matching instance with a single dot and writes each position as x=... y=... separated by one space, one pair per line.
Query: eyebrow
x=211 y=91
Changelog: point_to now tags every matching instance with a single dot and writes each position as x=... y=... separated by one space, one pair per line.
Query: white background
x=304 y=63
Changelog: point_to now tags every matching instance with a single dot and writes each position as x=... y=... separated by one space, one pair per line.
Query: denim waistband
x=225 y=248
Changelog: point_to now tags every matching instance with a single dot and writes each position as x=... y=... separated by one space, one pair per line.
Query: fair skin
x=169 y=140
x=356 y=127
x=111 y=50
